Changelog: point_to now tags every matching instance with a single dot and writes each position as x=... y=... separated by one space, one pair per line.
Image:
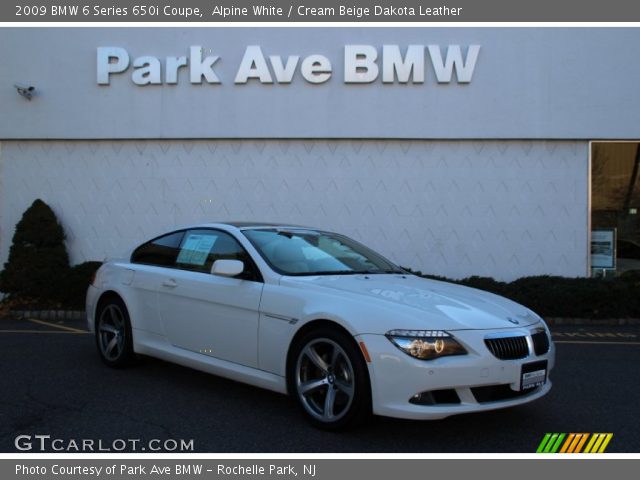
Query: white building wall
x=456 y=208
x=528 y=83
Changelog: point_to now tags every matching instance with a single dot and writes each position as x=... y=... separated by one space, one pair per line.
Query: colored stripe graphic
x=567 y=443
x=599 y=443
x=574 y=443
x=607 y=439
x=550 y=443
x=593 y=439
x=556 y=445
x=543 y=443
x=577 y=438
x=581 y=443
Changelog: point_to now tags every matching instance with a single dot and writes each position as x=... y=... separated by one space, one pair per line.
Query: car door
x=150 y=263
x=211 y=314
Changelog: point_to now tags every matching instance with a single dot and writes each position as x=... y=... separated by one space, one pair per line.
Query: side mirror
x=227 y=268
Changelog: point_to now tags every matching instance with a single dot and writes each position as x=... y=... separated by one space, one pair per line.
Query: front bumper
x=397 y=377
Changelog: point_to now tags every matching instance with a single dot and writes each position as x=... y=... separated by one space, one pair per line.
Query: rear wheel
x=329 y=379
x=113 y=333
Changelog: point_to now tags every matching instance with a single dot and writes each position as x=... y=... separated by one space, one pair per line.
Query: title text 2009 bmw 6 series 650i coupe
x=319 y=316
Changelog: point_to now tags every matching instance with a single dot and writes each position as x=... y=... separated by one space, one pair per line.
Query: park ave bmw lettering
x=362 y=64
x=285 y=470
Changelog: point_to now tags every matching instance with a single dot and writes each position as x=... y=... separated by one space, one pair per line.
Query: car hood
x=453 y=307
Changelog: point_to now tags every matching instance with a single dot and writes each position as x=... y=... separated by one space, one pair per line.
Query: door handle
x=170 y=283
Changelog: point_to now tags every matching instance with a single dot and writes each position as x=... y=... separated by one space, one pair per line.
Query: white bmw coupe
x=321 y=317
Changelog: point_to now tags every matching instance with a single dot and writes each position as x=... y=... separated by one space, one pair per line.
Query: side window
x=200 y=248
x=161 y=252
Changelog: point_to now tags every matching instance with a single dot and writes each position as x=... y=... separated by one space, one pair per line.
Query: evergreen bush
x=549 y=296
x=75 y=283
x=38 y=259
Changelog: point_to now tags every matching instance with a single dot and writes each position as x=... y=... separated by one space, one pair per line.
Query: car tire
x=329 y=379
x=113 y=333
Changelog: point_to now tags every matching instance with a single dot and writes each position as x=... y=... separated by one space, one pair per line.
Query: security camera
x=25 y=91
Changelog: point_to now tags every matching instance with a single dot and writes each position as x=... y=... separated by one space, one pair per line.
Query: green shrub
x=75 y=284
x=486 y=283
x=596 y=298
x=576 y=297
x=38 y=258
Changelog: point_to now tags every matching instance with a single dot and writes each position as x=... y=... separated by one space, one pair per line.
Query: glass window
x=161 y=251
x=200 y=248
x=615 y=204
x=310 y=252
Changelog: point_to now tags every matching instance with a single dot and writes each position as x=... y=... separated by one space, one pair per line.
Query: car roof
x=244 y=225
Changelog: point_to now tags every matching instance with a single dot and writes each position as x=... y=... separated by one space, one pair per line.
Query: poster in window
x=603 y=248
x=195 y=249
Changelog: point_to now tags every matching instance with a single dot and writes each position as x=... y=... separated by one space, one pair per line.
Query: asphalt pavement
x=53 y=384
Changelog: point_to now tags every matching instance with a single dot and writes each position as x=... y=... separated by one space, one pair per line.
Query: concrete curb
x=49 y=314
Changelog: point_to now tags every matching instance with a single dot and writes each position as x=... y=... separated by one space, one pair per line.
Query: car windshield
x=310 y=252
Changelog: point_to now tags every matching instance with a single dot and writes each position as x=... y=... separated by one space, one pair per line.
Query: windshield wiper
x=368 y=272
x=331 y=272
x=351 y=272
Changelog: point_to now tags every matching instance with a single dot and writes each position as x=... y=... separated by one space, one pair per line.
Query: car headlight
x=425 y=344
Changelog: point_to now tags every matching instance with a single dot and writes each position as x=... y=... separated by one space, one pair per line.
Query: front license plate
x=533 y=375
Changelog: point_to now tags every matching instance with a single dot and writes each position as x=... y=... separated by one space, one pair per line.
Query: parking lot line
x=583 y=334
x=55 y=325
x=80 y=332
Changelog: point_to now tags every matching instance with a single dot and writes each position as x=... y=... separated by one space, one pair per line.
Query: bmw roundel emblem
x=513 y=320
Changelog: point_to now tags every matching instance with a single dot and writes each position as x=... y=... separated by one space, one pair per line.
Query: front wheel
x=113 y=333
x=329 y=379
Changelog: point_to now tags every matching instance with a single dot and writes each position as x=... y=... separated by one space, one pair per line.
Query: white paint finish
x=356 y=303
x=409 y=301
x=156 y=346
x=227 y=268
x=463 y=308
x=396 y=377
x=542 y=83
x=502 y=209
x=211 y=314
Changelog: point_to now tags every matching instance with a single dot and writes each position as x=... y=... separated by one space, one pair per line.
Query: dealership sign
x=362 y=64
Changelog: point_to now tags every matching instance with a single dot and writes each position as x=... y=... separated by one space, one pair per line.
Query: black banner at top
x=296 y=11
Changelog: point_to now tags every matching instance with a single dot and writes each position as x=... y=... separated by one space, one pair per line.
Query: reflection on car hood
x=460 y=307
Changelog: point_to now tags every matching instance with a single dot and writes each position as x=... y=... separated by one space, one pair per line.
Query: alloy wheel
x=112 y=332
x=325 y=380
